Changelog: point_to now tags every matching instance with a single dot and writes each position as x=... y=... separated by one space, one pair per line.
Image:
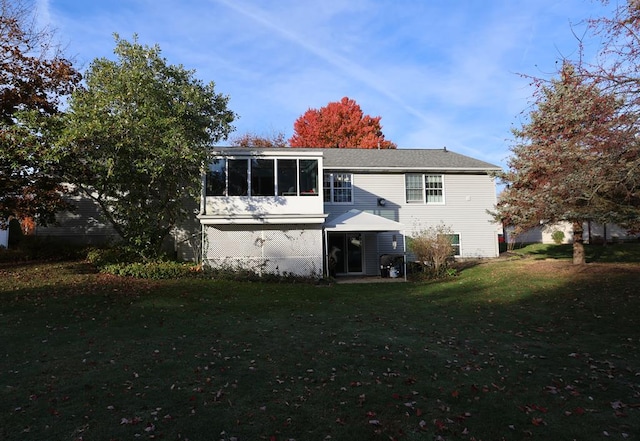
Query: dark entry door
x=346 y=249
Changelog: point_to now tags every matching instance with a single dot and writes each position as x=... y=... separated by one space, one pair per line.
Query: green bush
x=152 y=270
x=100 y=257
x=557 y=236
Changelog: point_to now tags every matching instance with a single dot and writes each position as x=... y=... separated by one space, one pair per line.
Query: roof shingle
x=389 y=159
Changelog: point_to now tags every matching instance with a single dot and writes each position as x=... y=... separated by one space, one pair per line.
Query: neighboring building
x=592 y=233
x=83 y=225
x=319 y=211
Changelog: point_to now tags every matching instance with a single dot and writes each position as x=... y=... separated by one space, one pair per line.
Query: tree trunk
x=578 y=244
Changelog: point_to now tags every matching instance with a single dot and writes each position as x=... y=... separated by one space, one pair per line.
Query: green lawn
x=520 y=348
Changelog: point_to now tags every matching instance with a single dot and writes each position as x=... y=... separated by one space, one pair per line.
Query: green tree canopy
x=570 y=160
x=137 y=138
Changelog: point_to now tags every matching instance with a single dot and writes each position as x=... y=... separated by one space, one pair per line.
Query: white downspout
x=404 y=254
x=326 y=253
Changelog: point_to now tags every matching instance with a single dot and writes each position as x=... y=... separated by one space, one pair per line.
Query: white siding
x=84 y=225
x=467 y=199
x=237 y=206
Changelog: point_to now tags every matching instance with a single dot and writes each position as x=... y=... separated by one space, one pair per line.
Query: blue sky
x=438 y=72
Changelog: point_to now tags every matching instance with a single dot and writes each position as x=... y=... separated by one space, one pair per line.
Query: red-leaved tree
x=252 y=140
x=340 y=124
x=33 y=77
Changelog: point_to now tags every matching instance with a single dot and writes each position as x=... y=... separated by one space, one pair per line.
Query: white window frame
x=423 y=189
x=332 y=188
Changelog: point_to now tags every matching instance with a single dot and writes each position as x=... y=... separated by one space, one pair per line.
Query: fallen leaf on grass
x=440 y=424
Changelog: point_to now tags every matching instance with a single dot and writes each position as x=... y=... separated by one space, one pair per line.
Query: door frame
x=343 y=242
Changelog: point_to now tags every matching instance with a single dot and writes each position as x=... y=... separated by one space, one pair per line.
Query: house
x=313 y=212
x=593 y=232
x=340 y=211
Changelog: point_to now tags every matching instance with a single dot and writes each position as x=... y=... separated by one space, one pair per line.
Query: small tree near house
x=433 y=249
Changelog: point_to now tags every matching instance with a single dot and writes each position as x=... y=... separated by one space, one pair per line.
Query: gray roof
x=388 y=159
x=402 y=159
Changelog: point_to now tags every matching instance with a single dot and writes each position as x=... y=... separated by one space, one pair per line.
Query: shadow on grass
x=609 y=253
x=522 y=349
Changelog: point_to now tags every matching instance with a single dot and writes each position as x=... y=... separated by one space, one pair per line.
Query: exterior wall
x=82 y=226
x=269 y=249
x=237 y=208
x=266 y=234
x=467 y=199
x=186 y=239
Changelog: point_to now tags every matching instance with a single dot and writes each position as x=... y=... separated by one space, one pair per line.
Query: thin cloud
x=350 y=68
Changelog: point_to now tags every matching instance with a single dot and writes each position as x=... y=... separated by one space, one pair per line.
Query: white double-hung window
x=338 y=188
x=424 y=188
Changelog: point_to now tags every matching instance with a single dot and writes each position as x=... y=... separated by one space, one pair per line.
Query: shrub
x=101 y=257
x=433 y=250
x=557 y=236
x=152 y=270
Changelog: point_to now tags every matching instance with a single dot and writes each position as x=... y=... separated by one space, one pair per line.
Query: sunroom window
x=262 y=177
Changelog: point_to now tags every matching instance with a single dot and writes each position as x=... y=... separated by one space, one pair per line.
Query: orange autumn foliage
x=340 y=124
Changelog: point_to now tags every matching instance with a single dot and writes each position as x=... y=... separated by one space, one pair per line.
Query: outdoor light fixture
x=394 y=242
x=382 y=202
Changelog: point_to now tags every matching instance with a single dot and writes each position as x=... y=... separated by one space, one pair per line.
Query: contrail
x=347 y=66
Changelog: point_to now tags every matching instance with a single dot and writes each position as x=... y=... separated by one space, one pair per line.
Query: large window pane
x=287 y=179
x=433 y=186
x=413 y=184
x=308 y=177
x=216 y=178
x=238 y=177
x=455 y=243
x=262 y=177
x=342 y=187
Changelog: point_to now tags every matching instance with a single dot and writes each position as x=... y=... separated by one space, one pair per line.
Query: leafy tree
x=137 y=138
x=570 y=160
x=34 y=77
x=274 y=140
x=340 y=124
